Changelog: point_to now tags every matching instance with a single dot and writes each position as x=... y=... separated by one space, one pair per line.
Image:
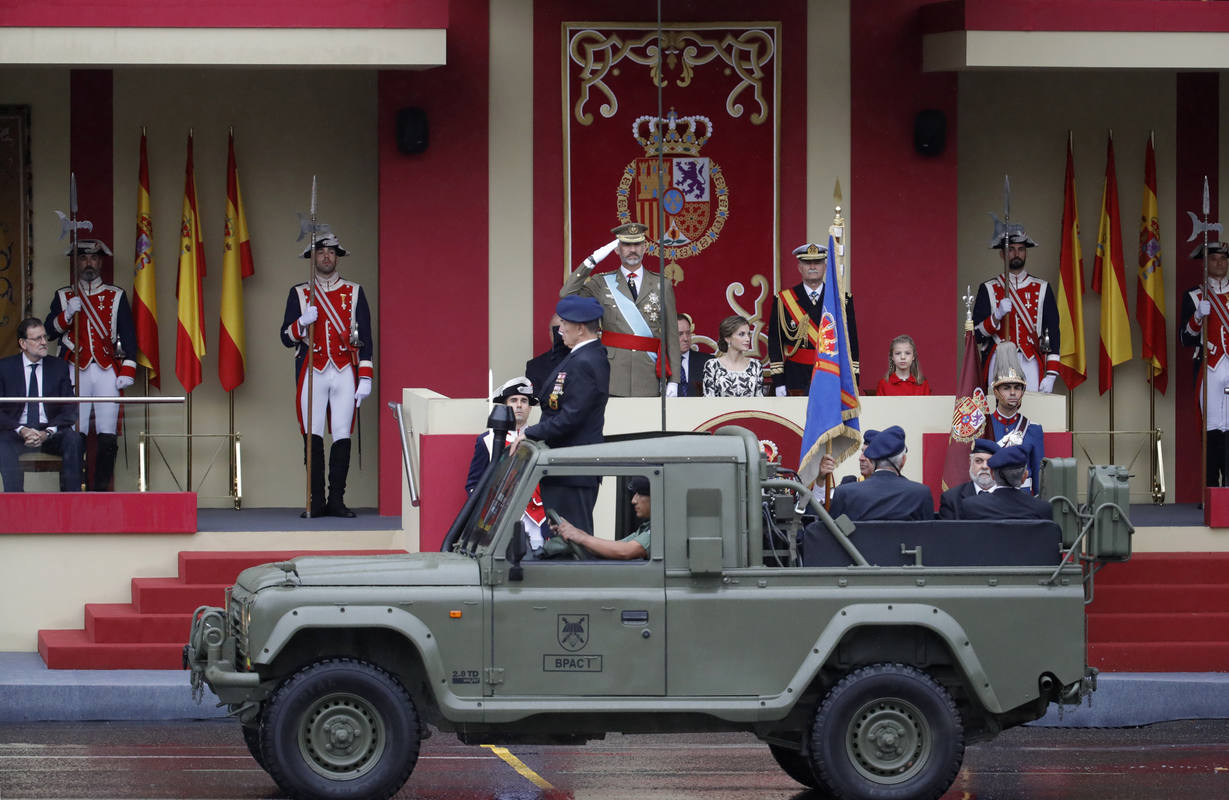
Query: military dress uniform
x=341 y=351
x=1032 y=324
x=1006 y=503
x=1216 y=416
x=796 y=318
x=1018 y=430
x=106 y=353
x=885 y=494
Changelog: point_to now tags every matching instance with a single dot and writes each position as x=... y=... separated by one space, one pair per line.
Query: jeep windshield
x=490 y=509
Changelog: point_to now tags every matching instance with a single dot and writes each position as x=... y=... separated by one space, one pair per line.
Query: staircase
x=150 y=632
x=1161 y=612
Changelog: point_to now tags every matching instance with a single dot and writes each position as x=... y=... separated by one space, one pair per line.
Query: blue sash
x=629 y=310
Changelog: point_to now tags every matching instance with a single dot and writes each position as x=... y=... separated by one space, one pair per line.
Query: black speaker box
x=412 y=133
x=930 y=132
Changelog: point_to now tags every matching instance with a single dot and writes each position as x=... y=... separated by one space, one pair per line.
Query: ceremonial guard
x=337 y=315
x=1017 y=307
x=797 y=323
x=1008 y=499
x=1210 y=315
x=885 y=494
x=573 y=401
x=99 y=314
x=637 y=310
x=1006 y=426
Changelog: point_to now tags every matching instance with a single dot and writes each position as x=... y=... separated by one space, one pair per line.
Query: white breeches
x=1218 y=402
x=96 y=382
x=332 y=389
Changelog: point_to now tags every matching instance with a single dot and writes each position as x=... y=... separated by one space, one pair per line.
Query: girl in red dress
x=904 y=376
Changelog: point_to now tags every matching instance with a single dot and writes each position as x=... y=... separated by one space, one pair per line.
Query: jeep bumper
x=210 y=655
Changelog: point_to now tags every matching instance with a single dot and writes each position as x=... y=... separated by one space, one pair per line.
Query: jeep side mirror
x=516 y=552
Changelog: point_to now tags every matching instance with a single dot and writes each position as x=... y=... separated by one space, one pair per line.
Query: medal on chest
x=556 y=392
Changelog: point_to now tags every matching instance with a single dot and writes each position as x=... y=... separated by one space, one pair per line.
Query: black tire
x=251 y=737
x=340 y=729
x=887 y=732
x=795 y=764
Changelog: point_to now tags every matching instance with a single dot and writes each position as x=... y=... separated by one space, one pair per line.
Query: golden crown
x=681 y=136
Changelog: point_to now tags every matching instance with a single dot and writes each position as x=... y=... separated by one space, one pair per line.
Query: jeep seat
x=944 y=543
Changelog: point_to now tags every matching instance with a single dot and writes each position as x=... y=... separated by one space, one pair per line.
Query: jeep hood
x=409 y=569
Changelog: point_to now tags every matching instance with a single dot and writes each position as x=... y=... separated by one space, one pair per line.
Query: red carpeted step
x=1159 y=627
x=197 y=566
x=121 y=622
x=1183 y=568
x=1159 y=656
x=1160 y=597
x=173 y=596
x=73 y=650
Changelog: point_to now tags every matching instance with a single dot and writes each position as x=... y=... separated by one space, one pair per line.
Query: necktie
x=631 y=284
x=683 y=376
x=32 y=391
x=814 y=298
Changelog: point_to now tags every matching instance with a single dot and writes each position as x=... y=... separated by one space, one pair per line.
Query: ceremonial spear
x=69 y=225
x=311 y=338
x=1009 y=326
x=1204 y=227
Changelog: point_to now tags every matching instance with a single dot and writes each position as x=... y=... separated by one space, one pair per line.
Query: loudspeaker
x=412 y=134
x=930 y=132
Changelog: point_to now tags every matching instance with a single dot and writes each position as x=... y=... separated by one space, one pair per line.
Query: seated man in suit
x=37 y=426
x=691 y=381
x=980 y=480
x=1008 y=499
x=633 y=546
x=885 y=494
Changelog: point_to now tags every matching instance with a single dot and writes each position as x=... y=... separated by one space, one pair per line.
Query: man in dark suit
x=691 y=362
x=885 y=494
x=573 y=401
x=43 y=426
x=980 y=480
x=1008 y=500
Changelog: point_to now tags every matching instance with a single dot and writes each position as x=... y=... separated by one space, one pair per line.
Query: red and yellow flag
x=144 y=284
x=190 y=336
x=236 y=265
x=1108 y=278
x=1150 y=291
x=1072 y=365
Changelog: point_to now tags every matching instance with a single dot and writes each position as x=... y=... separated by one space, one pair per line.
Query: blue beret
x=886 y=443
x=575 y=308
x=1009 y=457
x=985 y=446
x=869 y=436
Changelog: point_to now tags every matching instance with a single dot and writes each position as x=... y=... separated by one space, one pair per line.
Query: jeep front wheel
x=340 y=729
x=795 y=764
x=887 y=732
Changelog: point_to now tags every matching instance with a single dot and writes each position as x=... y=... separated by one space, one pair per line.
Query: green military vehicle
x=865 y=657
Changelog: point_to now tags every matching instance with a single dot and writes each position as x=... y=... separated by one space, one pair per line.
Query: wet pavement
x=71 y=761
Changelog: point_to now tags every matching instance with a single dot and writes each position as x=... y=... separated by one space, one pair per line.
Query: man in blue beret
x=1007 y=500
x=980 y=480
x=827 y=464
x=573 y=401
x=885 y=494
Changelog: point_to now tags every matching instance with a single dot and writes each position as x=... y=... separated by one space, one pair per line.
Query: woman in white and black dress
x=733 y=373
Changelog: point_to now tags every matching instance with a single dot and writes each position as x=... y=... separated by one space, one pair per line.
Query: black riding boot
x=104 y=462
x=339 y=467
x=317 y=500
x=1215 y=465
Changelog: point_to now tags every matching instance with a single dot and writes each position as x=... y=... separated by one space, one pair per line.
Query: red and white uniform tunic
x=340 y=351
x=107 y=349
x=1032 y=320
x=1217 y=326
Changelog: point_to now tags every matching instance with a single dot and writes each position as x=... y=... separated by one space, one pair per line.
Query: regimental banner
x=701 y=171
x=16 y=225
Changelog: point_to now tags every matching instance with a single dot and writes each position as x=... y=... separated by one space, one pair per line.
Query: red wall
x=433 y=234
x=91 y=157
x=902 y=206
x=228 y=14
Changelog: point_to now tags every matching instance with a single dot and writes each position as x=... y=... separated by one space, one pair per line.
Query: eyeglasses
x=35 y=339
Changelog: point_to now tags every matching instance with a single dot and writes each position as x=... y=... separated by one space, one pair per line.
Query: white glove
x=602 y=252
x=362 y=390
x=1201 y=313
x=672 y=389
x=780 y=391
x=308 y=316
x=73 y=306
x=1001 y=309
x=123 y=382
x=1047 y=383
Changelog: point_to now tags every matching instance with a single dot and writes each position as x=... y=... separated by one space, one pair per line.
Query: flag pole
x=145 y=390
x=1203 y=340
x=188 y=465
x=1008 y=325
x=662 y=362
x=311 y=338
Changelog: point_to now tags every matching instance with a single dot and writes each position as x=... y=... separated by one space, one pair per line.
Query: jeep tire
x=251 y=737
x=887 y=732
x=340 y=729
x=795 y=764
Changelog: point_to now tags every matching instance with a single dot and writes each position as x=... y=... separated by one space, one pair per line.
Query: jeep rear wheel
x=887 y=732
x=340 y=729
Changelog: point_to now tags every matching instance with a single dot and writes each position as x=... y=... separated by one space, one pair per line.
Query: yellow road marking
x=518 y=765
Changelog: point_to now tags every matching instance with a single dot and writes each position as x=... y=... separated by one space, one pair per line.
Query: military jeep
x=865 y=656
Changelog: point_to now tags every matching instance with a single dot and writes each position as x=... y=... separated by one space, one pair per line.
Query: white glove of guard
x=602 y=252
x=1202 y=312
x=780 y=391
x=1047 y=383
x=123 y=382
x=672 y=389
x=308 y=316
x=1001 y=309
x=72 y=307
x=362 y=390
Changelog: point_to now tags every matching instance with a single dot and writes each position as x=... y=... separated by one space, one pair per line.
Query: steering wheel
x=574 y=550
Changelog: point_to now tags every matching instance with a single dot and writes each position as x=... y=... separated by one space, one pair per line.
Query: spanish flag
x=190 y=336
x=1150 y=290
x=236 y=265
x=144 y=284
x=1072 y=364
x=1108 y=279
